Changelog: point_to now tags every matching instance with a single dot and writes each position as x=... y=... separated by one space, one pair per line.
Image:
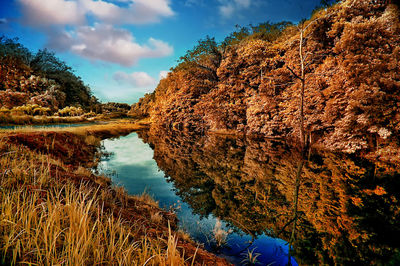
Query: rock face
x=250 y=85
x=141 y=109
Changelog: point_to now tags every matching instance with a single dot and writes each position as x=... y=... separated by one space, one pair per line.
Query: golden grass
x=46 y=220
x=114 y=128
x=23 y=119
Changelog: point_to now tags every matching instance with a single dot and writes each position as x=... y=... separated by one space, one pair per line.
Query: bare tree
x=303 y=56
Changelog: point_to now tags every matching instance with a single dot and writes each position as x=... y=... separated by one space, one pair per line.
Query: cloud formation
x=163 y=74
x=65 y=22
x=139 y=80
x=106 y=43
x=137 y=12
x=136 y=79
x=228 y=8
x=42 y=13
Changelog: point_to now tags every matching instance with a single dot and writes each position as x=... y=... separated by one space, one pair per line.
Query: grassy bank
x=39 y=119
x=24 y=119
x=56 y=211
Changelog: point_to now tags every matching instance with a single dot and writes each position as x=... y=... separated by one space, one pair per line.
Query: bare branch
x=294 y=74
x=306 y=56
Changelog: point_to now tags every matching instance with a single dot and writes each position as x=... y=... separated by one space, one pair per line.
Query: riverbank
x=55 y=210
x=34 y=120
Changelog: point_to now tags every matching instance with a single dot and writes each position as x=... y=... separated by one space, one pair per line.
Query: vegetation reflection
x=331 y=208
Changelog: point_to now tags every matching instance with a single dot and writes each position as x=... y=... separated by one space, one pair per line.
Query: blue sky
x=121 y=48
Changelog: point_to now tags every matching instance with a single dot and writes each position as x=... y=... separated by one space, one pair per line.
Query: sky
x=122 y=48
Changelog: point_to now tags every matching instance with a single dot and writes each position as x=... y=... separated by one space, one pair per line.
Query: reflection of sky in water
x=137 y=171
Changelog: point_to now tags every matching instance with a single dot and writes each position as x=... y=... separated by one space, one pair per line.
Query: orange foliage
x=352 y=78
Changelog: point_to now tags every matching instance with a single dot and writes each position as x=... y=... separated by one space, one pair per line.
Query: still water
x=132 y=166
x=345 y=210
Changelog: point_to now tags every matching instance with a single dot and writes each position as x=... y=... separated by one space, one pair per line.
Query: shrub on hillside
x=70 y=111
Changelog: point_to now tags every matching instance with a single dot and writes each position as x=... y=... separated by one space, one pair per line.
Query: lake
x=239 y=195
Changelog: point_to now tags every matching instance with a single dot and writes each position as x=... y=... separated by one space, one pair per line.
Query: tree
x=302 y=77
x=45 y=62
x=206 y=55
x=11 y=48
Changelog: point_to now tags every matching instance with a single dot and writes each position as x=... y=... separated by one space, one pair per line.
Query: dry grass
x=55 y=211
x=156 y=218
x=220 y=235
x=146 y=198
x=47 y=220
x=92 y=140
x=112 y=129
x=23 y=119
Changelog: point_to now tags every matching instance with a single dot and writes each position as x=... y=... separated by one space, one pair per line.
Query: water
x=132 y=166
x=348 y=209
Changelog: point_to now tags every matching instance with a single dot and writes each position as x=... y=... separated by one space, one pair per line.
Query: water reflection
x=347 y=208
x=134 y=168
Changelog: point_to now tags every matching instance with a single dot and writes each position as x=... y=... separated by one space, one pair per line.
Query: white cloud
x=100 y=42
x=163 y=74
x=45 y=13
x=53 y=12
x=139 y=79
x=136 y=79
x=3 y=21
x=106 y=43
x=228 y=8
x=59 y=40
x=243 y=3
x=122 y=1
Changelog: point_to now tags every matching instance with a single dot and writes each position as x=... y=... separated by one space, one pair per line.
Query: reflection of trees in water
x=348 y=209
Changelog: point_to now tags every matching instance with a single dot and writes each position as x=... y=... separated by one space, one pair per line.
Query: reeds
x=46 y=220
x=112 y=129
x=24 y=119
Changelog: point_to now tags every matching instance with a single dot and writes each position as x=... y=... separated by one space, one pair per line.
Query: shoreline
x=63 y=156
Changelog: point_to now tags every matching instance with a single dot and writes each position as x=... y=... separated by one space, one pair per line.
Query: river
x=236 y=196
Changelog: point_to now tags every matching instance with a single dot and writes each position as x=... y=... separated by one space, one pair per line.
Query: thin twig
x=296 y=76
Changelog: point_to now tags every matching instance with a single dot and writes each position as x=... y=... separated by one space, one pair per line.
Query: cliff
x=251 y=82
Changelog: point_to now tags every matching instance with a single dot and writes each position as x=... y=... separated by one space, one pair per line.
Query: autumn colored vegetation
x=54 y=210
x=39 y=78
x=250 y=83
x=348 y=207
x=37 y=88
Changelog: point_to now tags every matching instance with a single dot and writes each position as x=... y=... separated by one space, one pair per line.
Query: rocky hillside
x=251 y=82
x=40 y=78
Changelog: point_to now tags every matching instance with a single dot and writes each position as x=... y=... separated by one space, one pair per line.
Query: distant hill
x=251 y=82
x=39 y=78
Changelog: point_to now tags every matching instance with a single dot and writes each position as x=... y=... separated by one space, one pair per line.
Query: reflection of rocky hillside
x=348 y=207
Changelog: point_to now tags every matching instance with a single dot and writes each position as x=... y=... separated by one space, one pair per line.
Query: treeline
x=251 y=82
x=39 y=78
